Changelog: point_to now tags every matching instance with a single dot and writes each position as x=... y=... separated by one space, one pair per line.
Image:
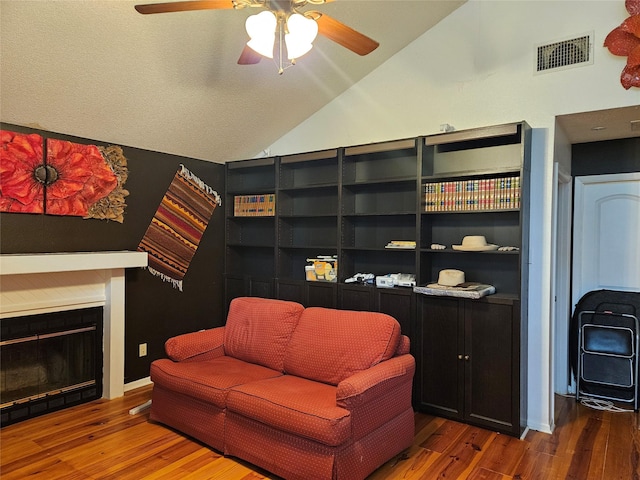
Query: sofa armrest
x=377 y=395
x=404 y=345
x=369 y=384
x=196 y=346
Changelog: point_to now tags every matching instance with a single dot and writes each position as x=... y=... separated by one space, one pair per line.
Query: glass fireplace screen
x=49 y=361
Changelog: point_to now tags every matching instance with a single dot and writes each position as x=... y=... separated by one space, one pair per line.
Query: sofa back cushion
x=330 y=345
x=258 y=330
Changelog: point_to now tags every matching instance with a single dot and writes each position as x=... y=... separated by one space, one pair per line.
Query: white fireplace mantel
x=48 y=282
x=15 y=264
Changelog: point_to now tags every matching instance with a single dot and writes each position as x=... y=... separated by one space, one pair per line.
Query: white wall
x=476 y=68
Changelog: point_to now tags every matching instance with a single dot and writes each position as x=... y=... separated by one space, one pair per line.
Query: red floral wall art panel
x=70 y=179
x=22 y=172
x=78 y=177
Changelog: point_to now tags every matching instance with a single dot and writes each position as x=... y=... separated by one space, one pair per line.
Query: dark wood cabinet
x=470 y=366
x=310 y=294
x=400 y=304
x=351 y=202
x=439 y=371
x=352 y=296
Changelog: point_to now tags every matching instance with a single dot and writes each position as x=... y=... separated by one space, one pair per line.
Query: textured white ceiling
x=170 y=82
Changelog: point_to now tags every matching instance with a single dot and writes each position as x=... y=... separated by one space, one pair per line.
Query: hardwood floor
x=100 y=440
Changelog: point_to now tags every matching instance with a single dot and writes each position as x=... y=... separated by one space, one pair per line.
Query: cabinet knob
x=459 y=357
x=466 y=357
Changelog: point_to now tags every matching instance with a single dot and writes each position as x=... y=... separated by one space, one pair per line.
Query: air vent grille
x=563 y=54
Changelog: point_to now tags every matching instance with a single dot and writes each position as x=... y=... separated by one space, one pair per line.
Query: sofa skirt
x=296 y=458
x=196 y=418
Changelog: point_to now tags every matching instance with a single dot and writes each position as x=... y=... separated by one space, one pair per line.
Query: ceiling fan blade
x=184 y=6
x=249 y=56
x=343 y=34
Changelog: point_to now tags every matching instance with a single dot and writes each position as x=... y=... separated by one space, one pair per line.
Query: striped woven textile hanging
x=172 y=238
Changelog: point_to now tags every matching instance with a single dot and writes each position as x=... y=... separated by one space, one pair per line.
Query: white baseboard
x=541 y=427
x=143 y=382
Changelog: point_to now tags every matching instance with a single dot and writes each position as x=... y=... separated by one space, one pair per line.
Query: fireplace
x=59 y=283
x=48 y=362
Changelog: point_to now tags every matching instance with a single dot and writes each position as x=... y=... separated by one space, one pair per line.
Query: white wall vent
x=565 y=53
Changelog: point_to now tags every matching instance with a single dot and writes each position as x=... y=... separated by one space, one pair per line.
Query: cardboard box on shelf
x=323 y=268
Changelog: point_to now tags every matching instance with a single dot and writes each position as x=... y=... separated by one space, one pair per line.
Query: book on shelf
x=500 y=193
x=261 y=205
x=406 y=244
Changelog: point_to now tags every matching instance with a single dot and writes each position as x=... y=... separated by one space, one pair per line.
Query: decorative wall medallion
x=624 y=41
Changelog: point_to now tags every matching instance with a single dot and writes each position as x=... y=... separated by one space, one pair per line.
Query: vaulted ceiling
x=170 y=82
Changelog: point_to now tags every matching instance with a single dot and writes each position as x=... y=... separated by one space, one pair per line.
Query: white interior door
x=606 y=234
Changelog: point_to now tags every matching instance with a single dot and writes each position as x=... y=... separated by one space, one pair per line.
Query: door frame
x=561 y=264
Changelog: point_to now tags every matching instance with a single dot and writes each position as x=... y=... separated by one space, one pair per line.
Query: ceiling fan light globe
x=261 y=23
x=263 y=45
x=302 y=28
x=301 y=32
x=296 y=49
x=261 y=29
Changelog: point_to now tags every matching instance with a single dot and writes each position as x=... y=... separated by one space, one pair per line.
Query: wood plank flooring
x=100 y=440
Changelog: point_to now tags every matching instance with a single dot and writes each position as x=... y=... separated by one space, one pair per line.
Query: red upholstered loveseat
x=311 y=393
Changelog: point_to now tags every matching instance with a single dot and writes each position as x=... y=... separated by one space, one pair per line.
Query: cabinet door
x=261 y=287
x=293 y=291
x=356 y=297
x=321 y=294
x=440 y=378
x=400 y=304
x=492 y=366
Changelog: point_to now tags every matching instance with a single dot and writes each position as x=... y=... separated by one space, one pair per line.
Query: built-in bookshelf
x=400 y=206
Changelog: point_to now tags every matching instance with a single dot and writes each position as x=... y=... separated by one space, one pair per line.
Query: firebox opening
x=49 y=362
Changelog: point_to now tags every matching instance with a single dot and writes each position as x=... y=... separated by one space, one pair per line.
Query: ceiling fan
x=294 y=28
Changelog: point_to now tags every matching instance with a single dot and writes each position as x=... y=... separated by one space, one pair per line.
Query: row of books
x=479 y=194
x=263 y=205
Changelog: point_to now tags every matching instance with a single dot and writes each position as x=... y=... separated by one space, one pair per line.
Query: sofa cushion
x=295 y=405
x=330 y=345
x=258 y=330
x=209 y=380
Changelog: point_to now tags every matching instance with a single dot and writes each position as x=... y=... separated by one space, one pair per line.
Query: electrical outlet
x=142 y=350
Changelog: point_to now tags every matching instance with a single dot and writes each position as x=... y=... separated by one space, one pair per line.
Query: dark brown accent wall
x=155 y=310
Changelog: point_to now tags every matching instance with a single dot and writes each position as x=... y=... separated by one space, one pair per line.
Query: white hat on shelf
x=450 y=277
x=475 y=243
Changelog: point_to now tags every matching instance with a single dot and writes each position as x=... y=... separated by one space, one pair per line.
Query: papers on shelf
x=464 y=290
x=407 y=244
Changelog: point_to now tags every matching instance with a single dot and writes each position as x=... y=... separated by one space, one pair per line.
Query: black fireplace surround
x=49 y=362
